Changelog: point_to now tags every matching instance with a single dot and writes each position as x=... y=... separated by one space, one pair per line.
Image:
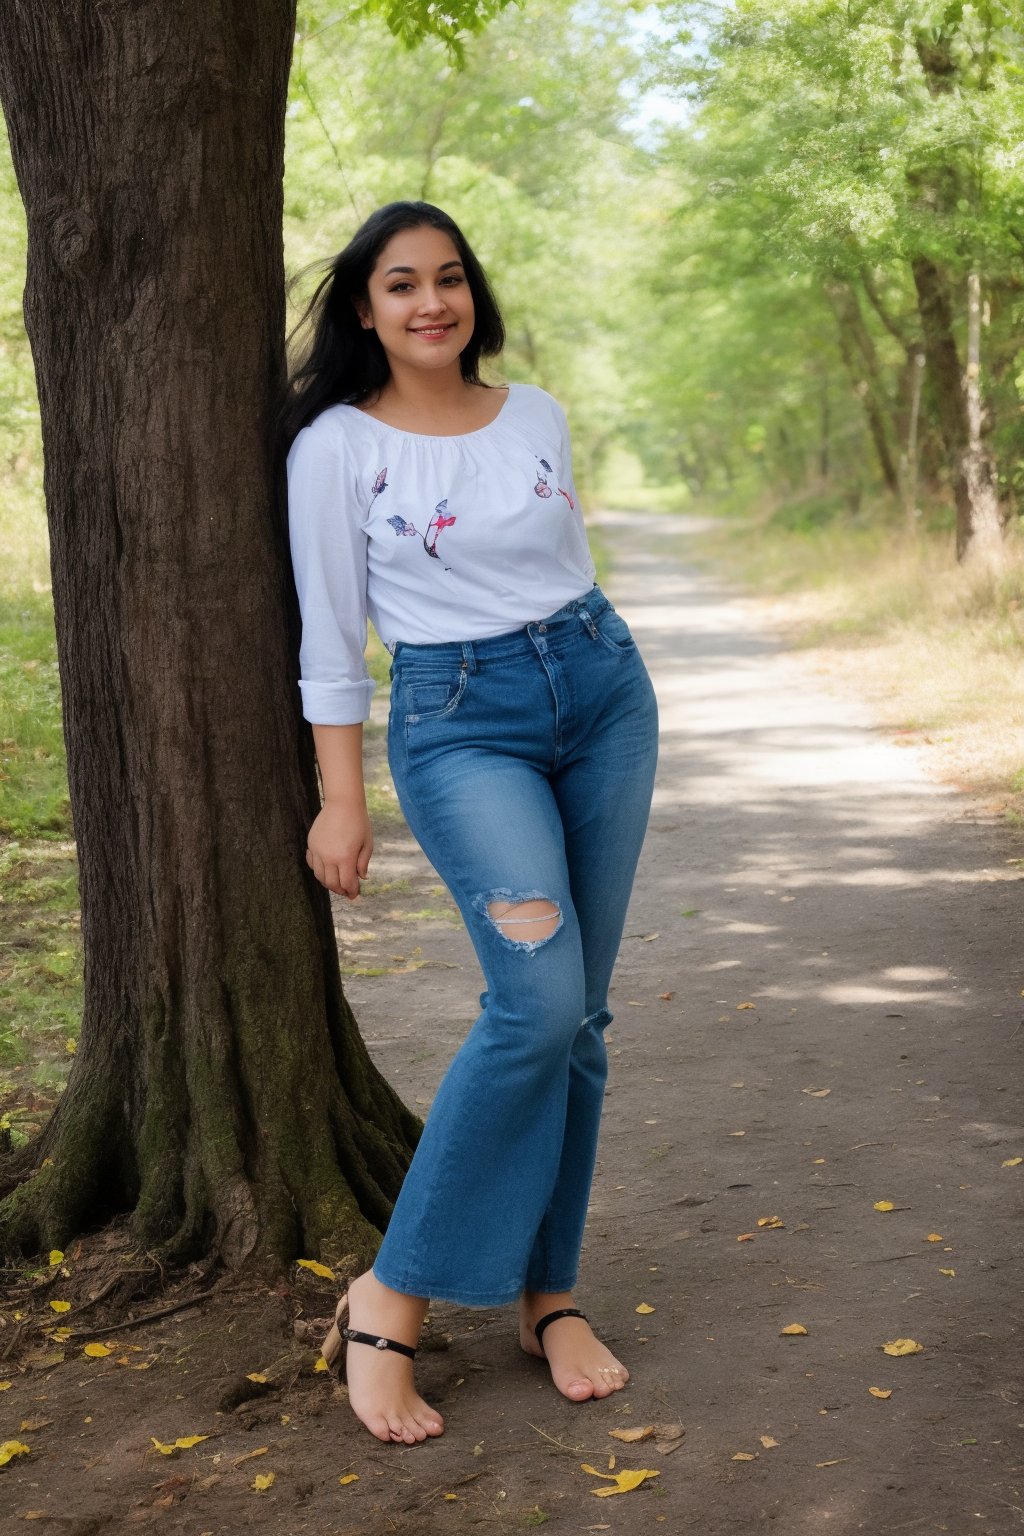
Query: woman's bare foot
x=581 y=1366
x=380 y=1381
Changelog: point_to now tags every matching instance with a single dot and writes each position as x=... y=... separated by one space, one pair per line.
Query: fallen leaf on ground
x=262 y=1481
x=745 y=1456
x=741 y=1006
x=4 y=1386
x=746 y=1237
x=884 y=1205
x=28 y=1425
x=643 y=1309
x=768 y=1443
x=316 y=1268
x=950 y=1272
x=61 y=1306
x=321 y=1365
x=818 y=1160
x=624 y=1482
x=882 y=1392
x=350 y=1477
x=834 y=1463
x=666 y=997
x=737 y=1133
x=1012 y=1162
x=816 y=1093
x=934 y=1237
x=631 y=1436
x=258 y=1377
x=903 y=1347
x=59 y=1335
x=451 y=1496
x=11 y=1448
x=792 y=1329
x=56 y=1257
x=97 y=1351
x=770 y=1221
x=261 y=1450
x=183 y=1443
x=668 y=1437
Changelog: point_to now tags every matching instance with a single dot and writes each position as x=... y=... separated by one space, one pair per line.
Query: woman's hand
x=339 y=846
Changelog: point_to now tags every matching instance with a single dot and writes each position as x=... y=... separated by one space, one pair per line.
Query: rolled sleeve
x=328 y=549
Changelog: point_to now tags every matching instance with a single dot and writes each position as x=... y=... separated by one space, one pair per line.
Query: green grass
x=33 y=771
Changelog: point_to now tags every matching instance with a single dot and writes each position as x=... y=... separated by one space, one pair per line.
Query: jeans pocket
x=611 y=628
x=432 y=695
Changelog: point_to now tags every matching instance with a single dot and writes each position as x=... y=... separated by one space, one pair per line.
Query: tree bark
x=978 y=529
x=221 y=1092
x=860 y=357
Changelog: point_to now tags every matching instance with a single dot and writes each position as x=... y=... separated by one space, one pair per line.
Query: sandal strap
x=355 y=1337
x=552 y=1317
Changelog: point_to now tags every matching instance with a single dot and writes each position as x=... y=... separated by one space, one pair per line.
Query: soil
x=818 y=1008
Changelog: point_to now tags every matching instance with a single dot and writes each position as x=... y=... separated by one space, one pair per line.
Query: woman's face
x=418 y=300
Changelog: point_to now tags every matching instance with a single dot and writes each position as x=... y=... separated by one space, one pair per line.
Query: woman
x=522 y=742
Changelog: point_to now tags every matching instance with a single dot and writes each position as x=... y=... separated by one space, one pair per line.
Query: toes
x=429 y=1421
x=580 y=1390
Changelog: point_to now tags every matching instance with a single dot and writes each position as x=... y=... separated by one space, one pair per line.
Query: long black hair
x=344 y=362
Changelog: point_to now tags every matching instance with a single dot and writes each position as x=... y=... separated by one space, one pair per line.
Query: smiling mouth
x=431 y=330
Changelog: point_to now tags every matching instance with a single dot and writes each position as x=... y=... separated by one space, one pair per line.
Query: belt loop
x=468 y=656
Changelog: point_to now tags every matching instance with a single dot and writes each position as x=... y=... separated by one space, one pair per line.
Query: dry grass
x=938 y=650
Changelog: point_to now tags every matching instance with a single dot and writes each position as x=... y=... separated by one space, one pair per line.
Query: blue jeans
x=524 y=765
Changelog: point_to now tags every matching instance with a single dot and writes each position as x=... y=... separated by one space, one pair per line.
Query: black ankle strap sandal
x=552 y=1317
x=353 y=1336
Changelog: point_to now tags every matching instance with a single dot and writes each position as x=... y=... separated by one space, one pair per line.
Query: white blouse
x=435 y=538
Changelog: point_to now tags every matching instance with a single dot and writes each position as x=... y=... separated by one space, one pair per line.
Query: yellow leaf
x=737 y=1133
x=882 y=1392
x=59 y=1335
x=450 y=1496
x=29 y=1426
x=257 y=1376
x=934 y=1237
x=630 y=1436
x=745 y=1456
x=586 y=1467
x=11 y=1448
x=350 y=1477
x=625 y=1482
x=61 y=1306
x=316 y=1268
x=56 y=1257
x=884 y=1205
x=1012 y=1162
x=768 y=1443
x=4 y=1386
x=770 y=1221
x=262 y=1481
x=97 y=1351
x=321 y=1365
x=71 y=1046
x=792 y=1329
x=183 y=1443
x=818 y=1160
x=643 y=1309
x=950 y=1272
x=740 y=1006
x=903 y=1347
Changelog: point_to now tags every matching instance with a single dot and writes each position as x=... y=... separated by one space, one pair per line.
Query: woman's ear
x=362 y=309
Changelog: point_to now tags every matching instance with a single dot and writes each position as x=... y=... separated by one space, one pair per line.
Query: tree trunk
x=857 y=350
x=221 y=1092
x=978 y=532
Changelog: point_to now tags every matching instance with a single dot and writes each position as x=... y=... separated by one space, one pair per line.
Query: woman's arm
x=340 y=840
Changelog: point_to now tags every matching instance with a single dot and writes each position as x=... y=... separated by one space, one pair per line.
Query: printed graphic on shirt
x=543 y=489
x=379 y=486
x=438 y=523
x=402 y=528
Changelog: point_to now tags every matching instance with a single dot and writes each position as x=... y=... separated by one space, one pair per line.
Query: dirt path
x=840 y=940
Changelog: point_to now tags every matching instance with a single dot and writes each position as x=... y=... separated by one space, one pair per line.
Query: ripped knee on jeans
x=525 y=921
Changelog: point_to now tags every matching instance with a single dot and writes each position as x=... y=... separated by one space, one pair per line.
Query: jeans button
x=542 y=629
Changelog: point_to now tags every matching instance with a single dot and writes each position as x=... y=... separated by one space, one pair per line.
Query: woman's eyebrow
x=442 y=268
